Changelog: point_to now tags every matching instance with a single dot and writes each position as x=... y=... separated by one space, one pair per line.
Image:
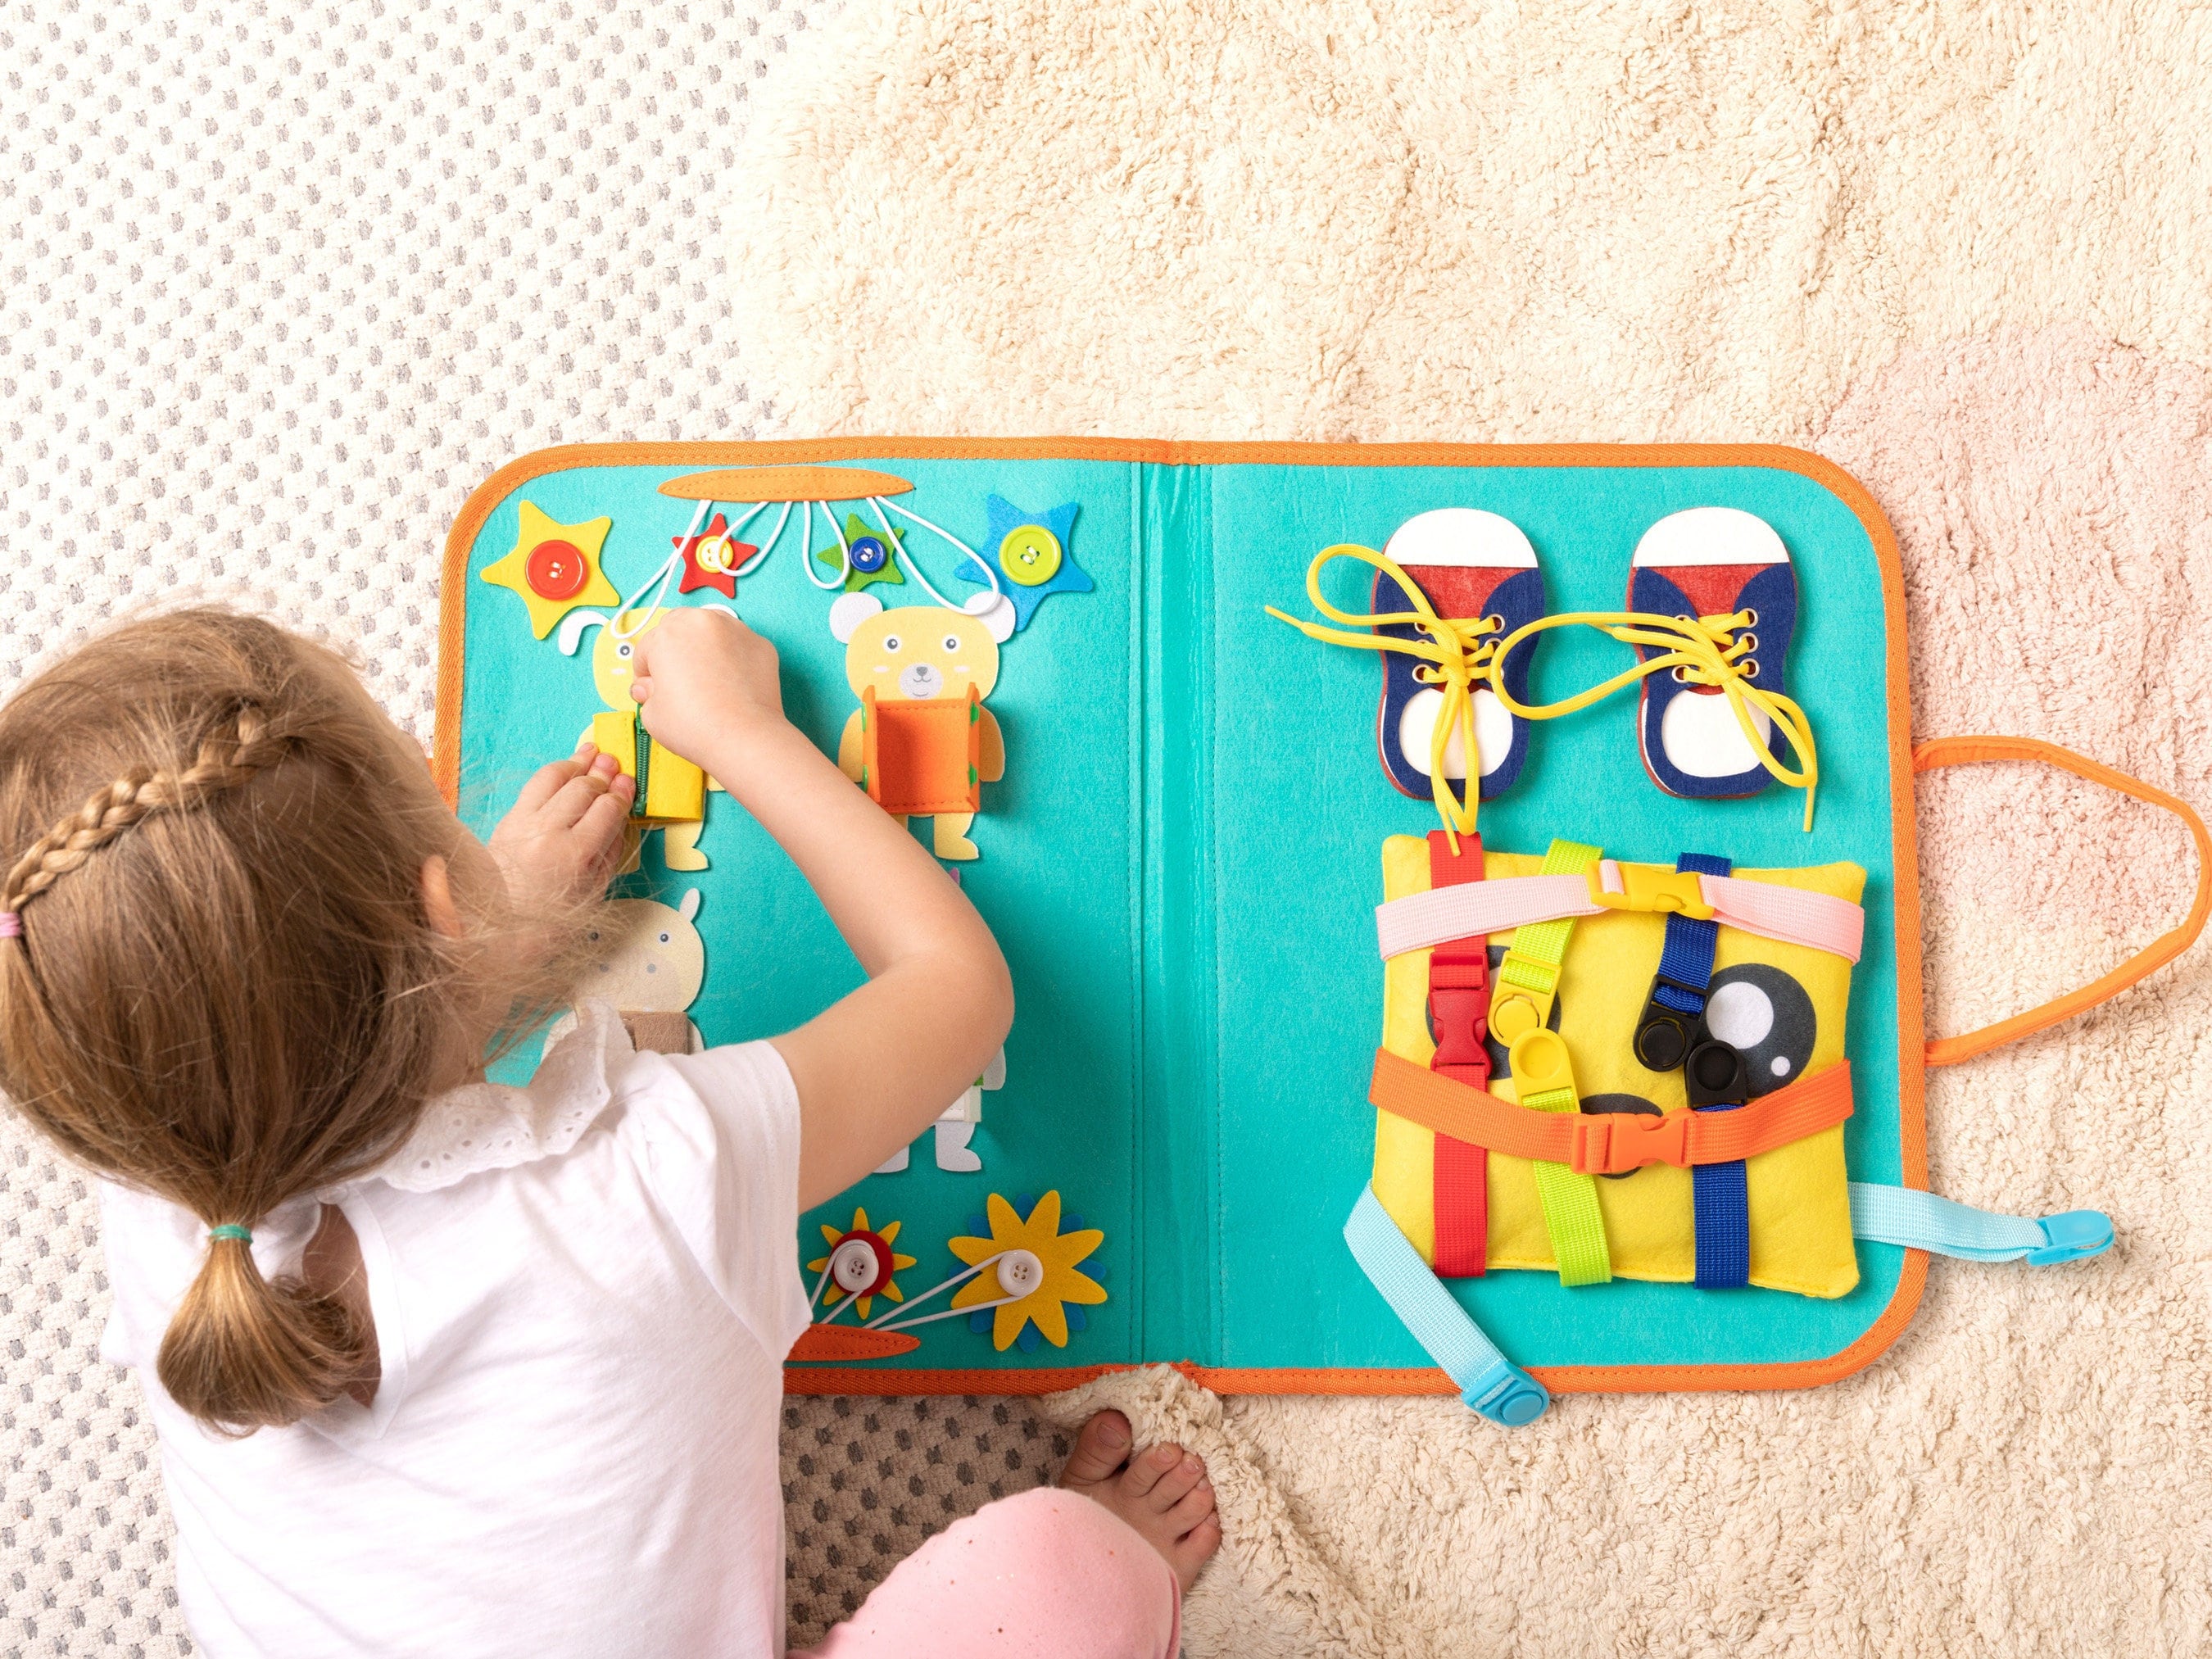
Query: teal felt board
x=1183 y=858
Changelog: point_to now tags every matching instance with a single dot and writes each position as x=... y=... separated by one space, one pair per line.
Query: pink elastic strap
x=1789 y=914
x=11 y=925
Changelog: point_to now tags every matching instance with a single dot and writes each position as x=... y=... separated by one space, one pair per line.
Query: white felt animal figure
x=650 y=965
x=921 y=743
x=956 y=1126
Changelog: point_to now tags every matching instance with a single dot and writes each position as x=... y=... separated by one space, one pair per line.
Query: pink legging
x=1045 y=1572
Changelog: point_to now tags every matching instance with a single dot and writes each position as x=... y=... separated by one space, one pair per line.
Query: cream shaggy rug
x=278 y=285
x=1962 y=251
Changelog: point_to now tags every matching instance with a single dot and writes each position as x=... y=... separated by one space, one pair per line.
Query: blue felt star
x=1031 y=554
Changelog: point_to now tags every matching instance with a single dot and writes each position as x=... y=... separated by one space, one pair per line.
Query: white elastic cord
x=913 y=1302
x=663 y=574
x=946 y=1313
x=844 y=553
x=728 y=538
x=815 y=1300
x=907 y=563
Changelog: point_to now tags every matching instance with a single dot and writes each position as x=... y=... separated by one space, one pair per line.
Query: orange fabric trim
x=1971 y=751
x=819 y=1341
x=785 y=483
x=1912 y=1122
x=1609 y=1143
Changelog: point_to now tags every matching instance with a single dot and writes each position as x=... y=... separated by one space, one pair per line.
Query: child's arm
x=873 y=1069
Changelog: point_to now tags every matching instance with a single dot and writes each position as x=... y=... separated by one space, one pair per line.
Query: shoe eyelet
x=1494 y=623
x=1681 y=676
x=1750 y=619
x=1750 y=641
x=1751 y=669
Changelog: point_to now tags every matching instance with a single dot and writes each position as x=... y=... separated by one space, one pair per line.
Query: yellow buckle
x=1517 y=1006
x=1541 y=1067
x=1646 y=887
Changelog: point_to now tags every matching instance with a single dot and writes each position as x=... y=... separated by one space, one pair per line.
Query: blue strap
x=1719 y=1196
x=1492 y=1385
x=1921 y=1221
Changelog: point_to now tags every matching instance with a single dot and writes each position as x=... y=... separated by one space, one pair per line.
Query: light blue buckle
x=1921 y=1221
x=1505 y=1393
x=2072 y=1235
x=1492 y=1386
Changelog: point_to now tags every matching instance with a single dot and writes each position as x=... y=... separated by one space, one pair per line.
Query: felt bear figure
x=921 y=743
x=650 y=966
x=671 y=792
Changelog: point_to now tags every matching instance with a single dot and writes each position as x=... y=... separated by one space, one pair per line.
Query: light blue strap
x=1921 y=1221
x=1491 y=1384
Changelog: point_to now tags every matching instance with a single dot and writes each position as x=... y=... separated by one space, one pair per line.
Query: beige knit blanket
x=1961 y=251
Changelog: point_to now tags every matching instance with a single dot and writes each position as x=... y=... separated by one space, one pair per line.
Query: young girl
x=439 y=1366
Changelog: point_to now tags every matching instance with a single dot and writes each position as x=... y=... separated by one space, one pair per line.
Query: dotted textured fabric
x=279 y=285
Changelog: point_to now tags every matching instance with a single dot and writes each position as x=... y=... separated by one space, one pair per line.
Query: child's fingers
x=549 y=778
x=604 y=820
x=568 y=805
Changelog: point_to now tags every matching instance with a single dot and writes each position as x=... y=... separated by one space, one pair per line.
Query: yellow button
x=1029 y=554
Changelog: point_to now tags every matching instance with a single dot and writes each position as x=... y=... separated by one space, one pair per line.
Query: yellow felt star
x=554 y=567
x=1056 y=1252
x=880 y=1242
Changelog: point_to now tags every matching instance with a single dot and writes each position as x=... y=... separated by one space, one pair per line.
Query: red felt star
x=721 y=550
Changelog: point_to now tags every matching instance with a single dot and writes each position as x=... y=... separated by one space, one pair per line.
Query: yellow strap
x=1456 y=651
x=1709 y=650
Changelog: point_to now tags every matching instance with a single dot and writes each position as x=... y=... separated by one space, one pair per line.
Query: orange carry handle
x=1968 y=751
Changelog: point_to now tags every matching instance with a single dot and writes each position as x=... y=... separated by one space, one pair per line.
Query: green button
x=1029 y=554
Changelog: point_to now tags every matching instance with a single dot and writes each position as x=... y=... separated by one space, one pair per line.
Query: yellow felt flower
x=887 y=1261
x=1056 y=1255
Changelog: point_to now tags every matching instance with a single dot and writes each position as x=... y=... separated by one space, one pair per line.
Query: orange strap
x=1610 y=1143
x=1967 y=751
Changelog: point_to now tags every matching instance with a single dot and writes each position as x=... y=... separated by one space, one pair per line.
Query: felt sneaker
x=1467 y=563
x=1712 y=562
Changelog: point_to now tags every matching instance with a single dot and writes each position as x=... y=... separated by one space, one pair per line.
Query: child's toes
x=1175 y=1486
x=1150 y=1466
x=1195 y=1549
x=1192 y=1507
x=1101 y=1448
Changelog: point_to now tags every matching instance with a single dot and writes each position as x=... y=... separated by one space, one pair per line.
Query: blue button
x=869 y=555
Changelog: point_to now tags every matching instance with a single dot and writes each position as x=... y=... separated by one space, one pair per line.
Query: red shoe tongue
x=1712 y=589
x=1458 y=590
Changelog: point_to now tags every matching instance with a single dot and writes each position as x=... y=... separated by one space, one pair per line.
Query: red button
x=555 y=570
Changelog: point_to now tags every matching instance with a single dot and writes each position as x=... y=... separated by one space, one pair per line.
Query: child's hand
x=703 y=682
x=563 y=837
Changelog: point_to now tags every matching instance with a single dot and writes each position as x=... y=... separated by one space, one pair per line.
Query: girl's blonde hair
x=218 y=980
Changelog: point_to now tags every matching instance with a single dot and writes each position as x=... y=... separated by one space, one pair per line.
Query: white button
x=853 y=1265
x=1019 y=1272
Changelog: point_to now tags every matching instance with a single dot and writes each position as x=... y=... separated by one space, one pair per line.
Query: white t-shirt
x=583 y=1294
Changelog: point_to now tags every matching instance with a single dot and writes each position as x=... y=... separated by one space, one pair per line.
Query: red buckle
x=1459 y=1016
x=1614 y=1143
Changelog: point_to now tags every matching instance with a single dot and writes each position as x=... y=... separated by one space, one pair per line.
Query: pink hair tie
x=11 y=925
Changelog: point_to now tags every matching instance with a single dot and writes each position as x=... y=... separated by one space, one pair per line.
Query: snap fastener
x=1030 y=555
x=555 y=570
x=854 y=1266
x=1019 y=1272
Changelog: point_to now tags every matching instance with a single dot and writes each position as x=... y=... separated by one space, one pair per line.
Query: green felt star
x=867 y=546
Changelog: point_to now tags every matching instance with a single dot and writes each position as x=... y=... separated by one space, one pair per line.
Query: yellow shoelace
x=1456 y=654
x=1459 y=654
x=1708 y=651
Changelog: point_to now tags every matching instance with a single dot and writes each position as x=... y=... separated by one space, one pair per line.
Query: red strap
x=1459 y=1017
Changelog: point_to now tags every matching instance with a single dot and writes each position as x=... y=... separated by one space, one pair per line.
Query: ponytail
x=244 y=1353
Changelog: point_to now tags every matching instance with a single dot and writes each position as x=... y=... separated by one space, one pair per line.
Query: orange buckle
x=1614 y=1143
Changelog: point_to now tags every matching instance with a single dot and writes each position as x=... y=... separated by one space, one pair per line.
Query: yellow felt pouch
x=669 y=789
x=1790 y=1012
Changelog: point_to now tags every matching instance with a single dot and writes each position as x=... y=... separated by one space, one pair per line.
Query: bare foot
x=1162 y=1491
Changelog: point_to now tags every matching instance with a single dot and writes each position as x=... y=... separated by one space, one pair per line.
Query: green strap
x=1569 y=1201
